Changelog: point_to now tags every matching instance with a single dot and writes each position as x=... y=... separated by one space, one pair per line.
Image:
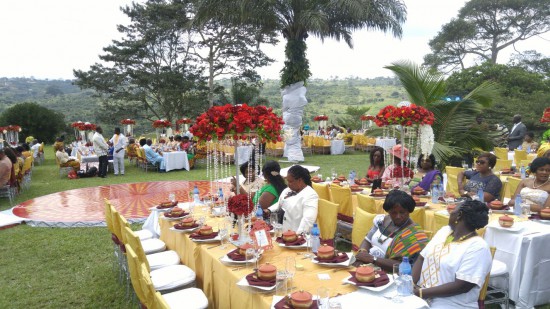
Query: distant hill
x=329 y=97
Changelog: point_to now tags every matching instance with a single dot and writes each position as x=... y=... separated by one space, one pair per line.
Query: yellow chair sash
x=342 y=197
x=362 y=224
x=452 y=181
x=327 y=217
x=367 y=203
x=322 y=190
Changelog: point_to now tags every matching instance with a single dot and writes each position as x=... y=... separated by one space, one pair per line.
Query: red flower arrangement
x=161 y=123
x=238 y=120
x=320 y=118
x=367 y=117
x=405 y=116
x=14 y=128
x=545 y=115
x=127 y=121
x=81 y=126
x=240 y=205
x=183 y=121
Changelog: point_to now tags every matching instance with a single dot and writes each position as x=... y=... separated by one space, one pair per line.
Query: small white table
x=337 y=147
x=176 y=160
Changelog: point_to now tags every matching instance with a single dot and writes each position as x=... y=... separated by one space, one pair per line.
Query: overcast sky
x=50 y=38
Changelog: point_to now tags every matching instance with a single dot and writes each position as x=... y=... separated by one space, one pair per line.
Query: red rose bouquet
x=83 y=126
x=367 y=117
x=13 y=128
x=161 y=123
x=127 y=121
x=545 y=115
x=240 y=205
x=183 y=121
x=320 y=118
x=404 y=115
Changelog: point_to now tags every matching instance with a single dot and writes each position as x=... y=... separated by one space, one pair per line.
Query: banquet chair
x=452 y=179
x=342 y=197
x=499 y=281
x=418 y=216
x=9 y=192
x=502 y=163
x=501 y=153
x=483 y=291
x=362 y=224
x=367 y=203
x=440 y=221
x=135 y=276
x=512 y=184
x=518 y=156
x=322 y=190
x=327 y=218
x=149 y=245
x=63 y=170
x=27 y=172
x=167 y=278
x=116 y=242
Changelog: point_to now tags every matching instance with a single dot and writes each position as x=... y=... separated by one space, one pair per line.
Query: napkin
x=161 y=206
x=201 y=237
x=299 y=241
x=236 y=256
x=345 y=218
x=178 y=226
x=380 y=281
x=339 y=258
x=254 y=280
x=285 y=304
x=169 y=215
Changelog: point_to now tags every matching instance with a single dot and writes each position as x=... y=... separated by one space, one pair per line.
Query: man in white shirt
x=517 y=133
x=119 y=145
x=35 y=148
x=101 y=149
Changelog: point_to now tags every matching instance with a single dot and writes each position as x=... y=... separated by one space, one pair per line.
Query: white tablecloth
x=527 y=257
x=386 y=143
x=337 y=147
x=175 y=160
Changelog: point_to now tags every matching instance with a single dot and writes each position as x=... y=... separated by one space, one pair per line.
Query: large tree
x=151 y=72
x=484 y=28
x=38 y=121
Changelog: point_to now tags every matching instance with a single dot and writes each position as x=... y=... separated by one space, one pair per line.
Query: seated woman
x=131 y=151
x=452 y=268
x=376 y=168
x=529 y=144
x=482 y=177
x=395 y=172
x=427 y=172
x=535 y=191
x=394 y=235
x=64 y=159
x=251 y=184
x=299 y=201
x=274 y=185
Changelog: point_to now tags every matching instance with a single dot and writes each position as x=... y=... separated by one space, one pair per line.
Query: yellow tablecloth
x=218 y=281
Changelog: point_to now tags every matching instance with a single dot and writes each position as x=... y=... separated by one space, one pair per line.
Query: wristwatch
x=374 y=259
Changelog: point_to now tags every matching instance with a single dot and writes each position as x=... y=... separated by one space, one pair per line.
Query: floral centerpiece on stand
x=322 y=119
x=183 y=124
x=128 y=126
x=413 y=125
x=160 y=126
x=12 y=134
x=366 y=121
x=84 y=130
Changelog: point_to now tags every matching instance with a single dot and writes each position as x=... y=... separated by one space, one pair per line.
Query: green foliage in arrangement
x=38 y=121
x=296 y=67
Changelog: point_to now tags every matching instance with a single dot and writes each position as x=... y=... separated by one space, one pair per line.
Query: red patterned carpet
x=133 y=200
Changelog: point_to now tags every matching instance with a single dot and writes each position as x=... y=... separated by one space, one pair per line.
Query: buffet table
x=176 y=160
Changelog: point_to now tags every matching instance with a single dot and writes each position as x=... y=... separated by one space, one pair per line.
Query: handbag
x=72 y=175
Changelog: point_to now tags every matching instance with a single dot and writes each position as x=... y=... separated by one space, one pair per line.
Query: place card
x=323 y=276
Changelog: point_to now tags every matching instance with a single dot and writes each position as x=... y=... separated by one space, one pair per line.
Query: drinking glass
x=525 y=210
x=334 y=173
x=322 y=298
x=201 y=220
x=290 y=268
x=274 y=219
x=307 y=235
x=396 y=297
x=249 y=255
x=334 y=304
x=281 y=285
x=223 y=233
x=172 y=197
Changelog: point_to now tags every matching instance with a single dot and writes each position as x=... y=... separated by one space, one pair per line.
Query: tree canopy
x=483 y=28
x=38 y=121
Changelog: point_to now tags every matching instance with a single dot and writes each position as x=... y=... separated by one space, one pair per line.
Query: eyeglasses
x=481 y=162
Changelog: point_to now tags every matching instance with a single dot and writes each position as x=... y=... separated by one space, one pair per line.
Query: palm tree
x=454 y=132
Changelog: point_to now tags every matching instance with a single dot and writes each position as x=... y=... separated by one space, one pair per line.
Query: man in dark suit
x=517 y=133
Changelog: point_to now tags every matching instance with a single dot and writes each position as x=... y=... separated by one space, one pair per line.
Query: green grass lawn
x=72 y=267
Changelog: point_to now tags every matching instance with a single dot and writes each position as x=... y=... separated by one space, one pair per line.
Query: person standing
x=517 y=133
x=119 y=145
x=101 y=148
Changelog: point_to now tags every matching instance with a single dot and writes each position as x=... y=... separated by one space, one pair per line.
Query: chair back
x=511 y=186
x=160 y=303
x=148 y=288
x=518 y=156
x=342 y=197
x=117 y=228
x=501 y=153
x=527 y=162
x=440 y=221
x=367 y=203
x=452 y=179
x=133 y=240
x=27 y=165
x=322 y=190
x=362 y=224
x=502 y=163
x=135 y=273
x=483 y=291
x=418 y=216
x=109 y=216
x=327 y=218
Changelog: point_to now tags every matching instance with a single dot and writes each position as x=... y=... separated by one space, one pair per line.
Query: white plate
x=184 y=231
x=302 y=246
x=514 y=228
x=226 y=260
x=244 y=283
x=542 y=221
x=154 y=208
x=215 y=239
x=351 y=260
x=375 y=289
x=173 y=219
x=277 y=299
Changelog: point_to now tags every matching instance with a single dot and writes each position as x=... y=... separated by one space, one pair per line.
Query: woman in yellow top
x=131 y=150
x=64 y=160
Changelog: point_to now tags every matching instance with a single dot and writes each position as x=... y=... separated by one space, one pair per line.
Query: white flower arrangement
x=426 y=139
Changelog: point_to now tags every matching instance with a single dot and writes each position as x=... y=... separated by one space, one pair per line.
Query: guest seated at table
x=394 y=235
x=131 y=149
x=394 y=172
x=452 y=267
x=535 y=191
x=274 y=185
x=482 y=177
x=376 y=168
x=26 y=150
x=172 y=143
x=64 y=159
x=152 y=156
x=252 y=183
x=427 y=173
x=529 y=143
x=299 y=201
